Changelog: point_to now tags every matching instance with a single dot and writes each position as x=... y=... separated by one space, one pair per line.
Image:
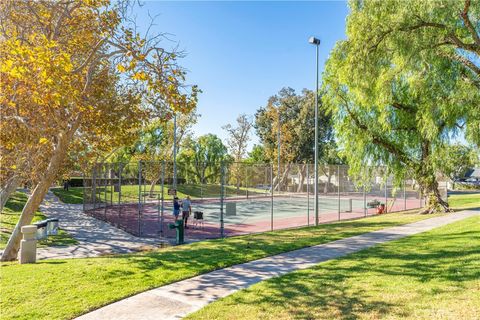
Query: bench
x=46 y=228
x=198 y=219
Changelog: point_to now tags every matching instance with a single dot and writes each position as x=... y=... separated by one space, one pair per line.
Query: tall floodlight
x=174 y=150
x=278 y=151
x=316 y=42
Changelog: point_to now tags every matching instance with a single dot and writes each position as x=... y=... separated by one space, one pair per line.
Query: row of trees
x=77 y=82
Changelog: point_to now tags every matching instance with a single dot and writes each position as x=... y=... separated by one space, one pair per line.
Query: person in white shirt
x=186 y=209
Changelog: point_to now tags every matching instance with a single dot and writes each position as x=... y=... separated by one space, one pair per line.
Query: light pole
x=174 y=150
x=316 y=42
x=278 y=158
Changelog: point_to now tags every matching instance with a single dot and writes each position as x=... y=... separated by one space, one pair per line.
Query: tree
x=295 y=115
x=155 y=145
x=239 y=136
x=454 y=160
x=442 y=33
x=237 y=143
x=256 y=155
x=402 y=84
x=75 y=73
x=203 y=159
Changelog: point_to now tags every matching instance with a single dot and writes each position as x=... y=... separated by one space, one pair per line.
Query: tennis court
x=242 y=215
x=237 y=198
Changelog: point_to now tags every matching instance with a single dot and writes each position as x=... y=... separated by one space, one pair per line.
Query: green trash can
x=179 y=227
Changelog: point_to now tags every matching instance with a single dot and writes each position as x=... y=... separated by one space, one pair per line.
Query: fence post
x=120 y=172
x=202 y=182
x=120 y=169
x=308 y=196
x=161 y=194
x=84 y=190
x=364 y=201
x=420 y=195
x=404 y=195
x=338 y=190
x=94 y=186
x=139 y=194
x=246 y=179
x=271 y=197
x=386 y=196
x=222 y=185
x=111 y=184
x=105 y=185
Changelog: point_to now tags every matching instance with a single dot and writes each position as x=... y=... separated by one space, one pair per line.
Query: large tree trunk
x=12 y=184
x=429 y=189
x=152 y=187
x=303 y=169
x=327 y=184
x=427 y=180
x=37 y=195
x=434 y=202
x=278 y=184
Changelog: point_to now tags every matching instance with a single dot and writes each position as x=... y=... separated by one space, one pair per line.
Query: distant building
x=472 y=175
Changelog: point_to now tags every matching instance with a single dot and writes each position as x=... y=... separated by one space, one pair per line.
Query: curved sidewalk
x=95 y=237
x=179 y=299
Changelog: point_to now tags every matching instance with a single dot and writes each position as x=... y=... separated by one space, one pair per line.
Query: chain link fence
x=238 y=198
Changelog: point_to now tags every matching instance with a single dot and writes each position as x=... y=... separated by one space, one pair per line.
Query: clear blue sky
x=241 y=53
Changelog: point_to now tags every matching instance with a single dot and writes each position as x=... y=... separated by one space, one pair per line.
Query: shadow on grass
x=74 y=195
x=309 y=296
x=354 y=285
x=211 y=255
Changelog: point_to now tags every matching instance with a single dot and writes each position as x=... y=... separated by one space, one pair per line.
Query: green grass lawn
x=129 y=193
x=70 y=287
x=432 y=275
x=9 y=217
x=464 y=201
x=62 y=289
x=74 y=195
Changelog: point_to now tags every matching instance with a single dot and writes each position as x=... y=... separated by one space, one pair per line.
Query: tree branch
x=469 y=24
x=90 y=56
x=375 y=138
x=403 y=107
x=467 y=63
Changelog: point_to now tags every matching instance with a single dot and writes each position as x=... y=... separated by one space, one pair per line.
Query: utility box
x=231 y=209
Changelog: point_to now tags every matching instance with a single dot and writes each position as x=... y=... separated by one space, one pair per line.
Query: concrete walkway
x=95 y=237
x=182 y=298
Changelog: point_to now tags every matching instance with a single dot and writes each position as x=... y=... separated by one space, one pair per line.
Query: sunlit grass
x=464 y=201
x=130 y=193
x=62 y=289
x=9 y=218
x=433 y=275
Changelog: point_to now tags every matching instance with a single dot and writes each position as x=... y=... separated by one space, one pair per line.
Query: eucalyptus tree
x=403 y=83
x=288 y=121
x=238 y=137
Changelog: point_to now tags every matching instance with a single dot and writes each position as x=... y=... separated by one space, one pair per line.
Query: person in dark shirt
x=176 y=208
